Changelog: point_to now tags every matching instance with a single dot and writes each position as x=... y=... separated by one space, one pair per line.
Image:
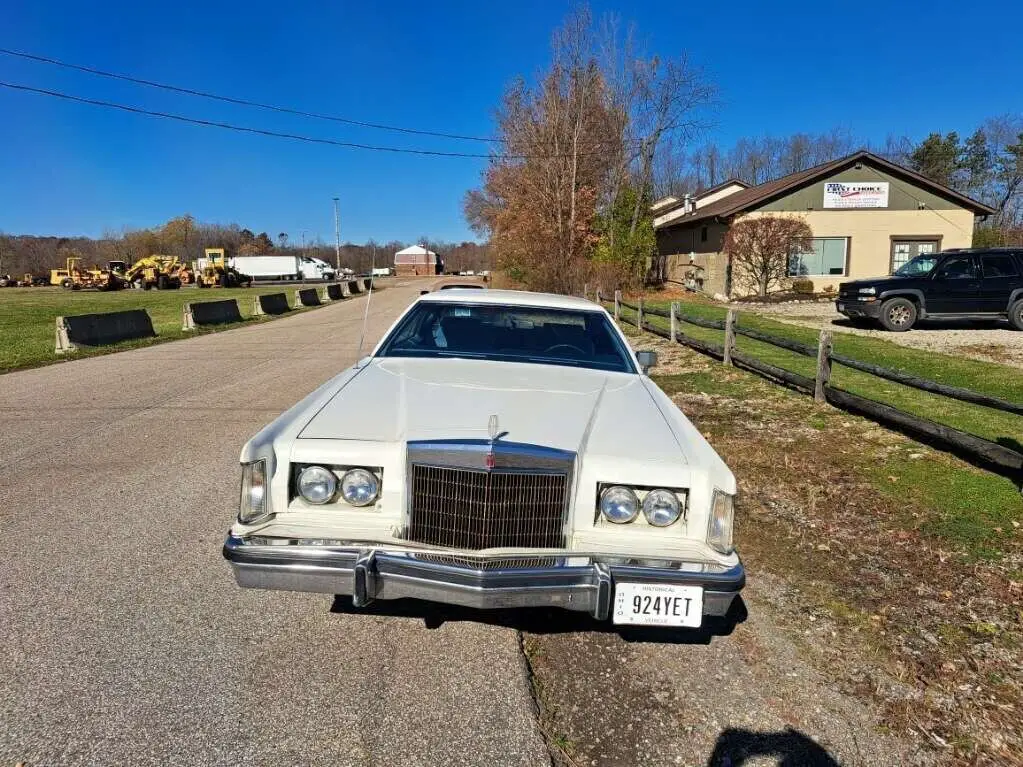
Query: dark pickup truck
x=980 y=284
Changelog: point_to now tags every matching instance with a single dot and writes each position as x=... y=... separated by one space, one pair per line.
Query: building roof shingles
x=754 y=196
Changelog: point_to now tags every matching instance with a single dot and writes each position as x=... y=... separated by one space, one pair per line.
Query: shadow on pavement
x=789 y=747
x=544 y=620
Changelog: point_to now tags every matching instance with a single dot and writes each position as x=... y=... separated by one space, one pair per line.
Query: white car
x=497 y=449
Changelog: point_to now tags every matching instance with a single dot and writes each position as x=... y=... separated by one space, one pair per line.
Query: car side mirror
x=423 y=292
x=646 y=360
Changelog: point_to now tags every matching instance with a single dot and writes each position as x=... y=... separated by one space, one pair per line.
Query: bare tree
x=759 y=249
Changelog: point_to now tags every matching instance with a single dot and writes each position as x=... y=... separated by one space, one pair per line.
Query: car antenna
x=369 y=297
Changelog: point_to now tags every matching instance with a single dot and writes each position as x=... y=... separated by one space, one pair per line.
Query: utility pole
x=337 y=233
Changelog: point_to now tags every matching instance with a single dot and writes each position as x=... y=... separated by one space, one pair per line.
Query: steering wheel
x=573 y=347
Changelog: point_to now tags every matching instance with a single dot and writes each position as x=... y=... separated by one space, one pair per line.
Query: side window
x=1000 y=265
x=957 y=268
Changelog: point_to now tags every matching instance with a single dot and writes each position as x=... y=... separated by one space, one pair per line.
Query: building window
x=825 y=258
x=703 y=234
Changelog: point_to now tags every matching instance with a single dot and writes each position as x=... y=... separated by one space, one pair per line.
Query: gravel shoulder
x=990 y=341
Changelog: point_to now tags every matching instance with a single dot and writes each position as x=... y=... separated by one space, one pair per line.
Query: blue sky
x=907 y=68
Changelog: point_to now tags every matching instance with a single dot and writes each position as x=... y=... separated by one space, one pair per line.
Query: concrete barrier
x=335 y=292
x=271 y=303
x=307 y=297
x=102 y=329
x=367 y=283
x=210 y=313
x=354 y=287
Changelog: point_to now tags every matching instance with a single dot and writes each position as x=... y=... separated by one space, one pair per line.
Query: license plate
x=651 y=604
x=841 y=307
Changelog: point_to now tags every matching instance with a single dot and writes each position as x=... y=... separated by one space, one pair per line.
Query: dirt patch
x=892 y=611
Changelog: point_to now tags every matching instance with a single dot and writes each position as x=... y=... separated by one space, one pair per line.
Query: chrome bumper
x=368 y=573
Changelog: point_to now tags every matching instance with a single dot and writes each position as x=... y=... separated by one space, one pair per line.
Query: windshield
x=509 y=334
x=917 y=267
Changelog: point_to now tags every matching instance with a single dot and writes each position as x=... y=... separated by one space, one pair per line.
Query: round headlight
x=661 y=508
x=317 y=484
x=359 y=487
x=619 y=505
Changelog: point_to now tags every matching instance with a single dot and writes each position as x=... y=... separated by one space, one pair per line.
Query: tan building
x=868 y=216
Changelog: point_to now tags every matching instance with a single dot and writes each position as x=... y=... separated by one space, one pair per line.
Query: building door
x=904 y=250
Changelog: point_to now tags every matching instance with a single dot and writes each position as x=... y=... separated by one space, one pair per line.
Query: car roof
x=511 y=298
x=976 y=251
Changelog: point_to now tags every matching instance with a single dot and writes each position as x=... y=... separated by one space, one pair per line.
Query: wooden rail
x=992 y=455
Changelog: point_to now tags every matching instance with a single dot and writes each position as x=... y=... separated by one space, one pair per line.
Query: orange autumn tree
x=540 y=196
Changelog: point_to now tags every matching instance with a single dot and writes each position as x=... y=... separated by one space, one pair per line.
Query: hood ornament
x=492 y=429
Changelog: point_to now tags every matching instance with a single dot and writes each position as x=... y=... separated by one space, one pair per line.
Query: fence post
x=618 y=302
x=639 y=318
x=729 y=336
x=674 y=321
x=586 y=291
x=823 y=377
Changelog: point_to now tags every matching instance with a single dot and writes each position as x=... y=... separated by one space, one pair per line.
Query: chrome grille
x=479 y=509
x=476 y=563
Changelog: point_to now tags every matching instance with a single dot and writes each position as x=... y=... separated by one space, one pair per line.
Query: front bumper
x=582 y=583
x=851 y=307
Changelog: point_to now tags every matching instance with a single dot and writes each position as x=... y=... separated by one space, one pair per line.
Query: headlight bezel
x=640 y=493
x=337 y=499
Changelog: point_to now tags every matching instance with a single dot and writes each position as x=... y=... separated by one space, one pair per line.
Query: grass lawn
x=988 y=377
x=906 y=563
x=28 y=317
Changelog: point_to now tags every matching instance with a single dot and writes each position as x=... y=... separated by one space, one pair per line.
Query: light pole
x=337 y=233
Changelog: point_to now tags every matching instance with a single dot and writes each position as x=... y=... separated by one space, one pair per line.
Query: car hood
x=874 y=282
x=585 y=411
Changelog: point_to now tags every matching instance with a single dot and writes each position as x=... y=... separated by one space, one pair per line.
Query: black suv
x=980 y=284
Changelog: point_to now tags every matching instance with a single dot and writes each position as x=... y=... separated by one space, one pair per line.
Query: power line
x=244 y=102
x=246 y=129
x=279 y=134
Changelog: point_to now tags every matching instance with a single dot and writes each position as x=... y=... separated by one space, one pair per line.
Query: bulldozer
x=76 y=277
x=217 y=273
x=156 y=271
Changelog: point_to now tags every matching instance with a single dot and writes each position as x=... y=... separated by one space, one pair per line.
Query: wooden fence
x=991 y=455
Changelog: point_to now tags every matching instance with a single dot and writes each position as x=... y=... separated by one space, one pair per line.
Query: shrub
x=802 y=286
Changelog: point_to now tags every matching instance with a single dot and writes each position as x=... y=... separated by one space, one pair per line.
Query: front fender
x=914 y=292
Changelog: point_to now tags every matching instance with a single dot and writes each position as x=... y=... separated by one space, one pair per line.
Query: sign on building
x=856 y=194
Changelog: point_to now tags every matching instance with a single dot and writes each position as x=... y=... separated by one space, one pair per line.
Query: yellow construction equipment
x=216 y=273
x=156 y=271
x=75 y=277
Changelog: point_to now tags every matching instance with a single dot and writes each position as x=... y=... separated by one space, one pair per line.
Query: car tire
x=898 y=314
x=1016 y=314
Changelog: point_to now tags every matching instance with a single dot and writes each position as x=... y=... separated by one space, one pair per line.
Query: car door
x=1000 y=276
x=954 y=287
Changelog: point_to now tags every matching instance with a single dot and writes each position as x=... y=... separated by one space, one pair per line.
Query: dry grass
x=904 y=593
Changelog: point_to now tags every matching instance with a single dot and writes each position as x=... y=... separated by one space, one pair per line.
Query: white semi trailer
x=281 y=267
